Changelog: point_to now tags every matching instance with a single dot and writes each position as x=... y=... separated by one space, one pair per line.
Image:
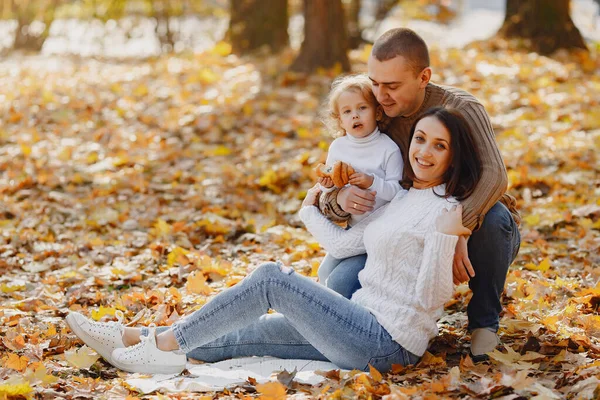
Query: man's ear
x=425 y=77
x=378 y=113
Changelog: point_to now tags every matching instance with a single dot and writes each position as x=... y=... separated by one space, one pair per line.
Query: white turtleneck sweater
x=408 y=274
x=376 y=155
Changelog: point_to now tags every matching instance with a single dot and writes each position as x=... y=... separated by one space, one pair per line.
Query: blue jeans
x=492 y=248
x=313 y=323
x=341 y=275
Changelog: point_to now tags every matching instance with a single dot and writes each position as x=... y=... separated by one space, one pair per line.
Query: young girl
x=353 y=113
x=405 y=283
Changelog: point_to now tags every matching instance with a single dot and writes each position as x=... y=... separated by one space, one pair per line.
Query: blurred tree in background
x=325 y=42
x=331 y=27
x=257 y=23
x=546 y=23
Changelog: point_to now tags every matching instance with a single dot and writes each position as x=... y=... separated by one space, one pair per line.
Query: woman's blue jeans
x=492 y=248
x=313 y=323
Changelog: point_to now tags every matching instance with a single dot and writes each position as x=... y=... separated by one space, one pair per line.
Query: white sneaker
x=146 y=358
x=104 y=337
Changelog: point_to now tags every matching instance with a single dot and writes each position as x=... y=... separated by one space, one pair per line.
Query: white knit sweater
x=408 y=274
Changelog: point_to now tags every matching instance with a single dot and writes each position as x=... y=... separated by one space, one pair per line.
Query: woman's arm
x=434 y=282
x=338 y=242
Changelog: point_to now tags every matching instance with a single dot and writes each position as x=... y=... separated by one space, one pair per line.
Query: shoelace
x=144 y=339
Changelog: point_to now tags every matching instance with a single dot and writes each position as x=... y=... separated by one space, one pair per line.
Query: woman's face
x=429 y=152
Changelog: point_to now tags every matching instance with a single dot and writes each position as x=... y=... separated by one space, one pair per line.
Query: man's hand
x=363 y=181
x=462 y=270
x=355 y=200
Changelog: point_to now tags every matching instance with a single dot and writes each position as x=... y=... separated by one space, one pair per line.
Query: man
x=400 y=74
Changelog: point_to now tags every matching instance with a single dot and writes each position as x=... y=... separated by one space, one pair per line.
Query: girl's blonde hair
x=331 y=115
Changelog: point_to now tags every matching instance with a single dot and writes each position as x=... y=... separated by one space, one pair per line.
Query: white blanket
x=217 y=376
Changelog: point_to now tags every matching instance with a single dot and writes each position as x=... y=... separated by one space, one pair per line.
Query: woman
x=407 y=280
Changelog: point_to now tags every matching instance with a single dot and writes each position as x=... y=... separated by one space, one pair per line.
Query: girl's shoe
x=146 y=358
x=104 y=337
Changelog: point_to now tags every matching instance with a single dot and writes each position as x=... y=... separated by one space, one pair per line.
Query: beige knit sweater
x=493 y=183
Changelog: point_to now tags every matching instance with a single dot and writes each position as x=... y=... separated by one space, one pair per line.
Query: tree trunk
x=258 y=23
x=325 y=38
x=354 y=31
x=26 y=15
x=546 y=23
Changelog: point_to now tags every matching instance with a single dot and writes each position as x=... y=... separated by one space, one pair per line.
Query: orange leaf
x=15 y=362
x=271 y=391
x=376 y=375
x=196 y=283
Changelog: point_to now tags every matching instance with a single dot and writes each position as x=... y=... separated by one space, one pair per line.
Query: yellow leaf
x=207 y=77
x=268 y=179
x=248 y=109
x=304 y=133
x=222 y=49
x=196 y=283
x=177 y=255
x=82 y=358
x=218 y=151
x=15 y=362
x=271 y=391
x=11 y=287
x=15 y=387
x=26 y=150
x=376 y=375
x=141 y=91
x=37 y=373
x=162 y=228
x=532 y=219
x=102 y=311
x=543 y=266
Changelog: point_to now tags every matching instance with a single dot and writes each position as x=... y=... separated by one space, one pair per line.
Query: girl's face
x=429 y=152
x=357 y=115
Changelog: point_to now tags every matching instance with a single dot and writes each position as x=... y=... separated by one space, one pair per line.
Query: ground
x=148 y=186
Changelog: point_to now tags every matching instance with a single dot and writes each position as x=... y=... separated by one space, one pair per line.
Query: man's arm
x=494 y=181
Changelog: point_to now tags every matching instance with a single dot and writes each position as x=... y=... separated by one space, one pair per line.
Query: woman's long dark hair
x=465 y=167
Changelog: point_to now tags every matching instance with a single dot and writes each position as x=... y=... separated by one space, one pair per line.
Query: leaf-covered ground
x=149 y=186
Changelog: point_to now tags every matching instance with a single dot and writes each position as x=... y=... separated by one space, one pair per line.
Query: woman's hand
x=450 y=222
x=325 y=181
x=311 y=196
x=363 y=181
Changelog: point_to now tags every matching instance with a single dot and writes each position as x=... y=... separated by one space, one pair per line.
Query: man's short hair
x=402 y=42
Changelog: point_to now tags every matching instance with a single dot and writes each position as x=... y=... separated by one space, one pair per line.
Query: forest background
x=154 y=152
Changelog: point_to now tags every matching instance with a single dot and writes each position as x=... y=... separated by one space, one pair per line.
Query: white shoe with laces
x=146 y=358
x=104 y=337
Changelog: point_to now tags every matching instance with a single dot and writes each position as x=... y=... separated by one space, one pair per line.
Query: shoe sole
x=151 y=369
x=479 y=358
x=81 y=334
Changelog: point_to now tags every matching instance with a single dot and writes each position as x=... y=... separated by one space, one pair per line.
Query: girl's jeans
x=492 y=248
x=313 y=323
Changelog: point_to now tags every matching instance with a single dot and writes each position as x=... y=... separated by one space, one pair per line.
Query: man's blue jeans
x=492 y=248
x=313 y=323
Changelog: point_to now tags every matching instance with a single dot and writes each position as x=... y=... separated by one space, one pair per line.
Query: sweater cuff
x=306 y=212
x=446 y=243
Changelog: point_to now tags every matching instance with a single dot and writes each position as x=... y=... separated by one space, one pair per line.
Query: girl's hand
x=311 y=196
x=325 y=181
x=363 y=181
x=450 y=222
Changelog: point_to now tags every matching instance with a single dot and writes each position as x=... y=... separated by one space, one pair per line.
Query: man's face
x=395 y=85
